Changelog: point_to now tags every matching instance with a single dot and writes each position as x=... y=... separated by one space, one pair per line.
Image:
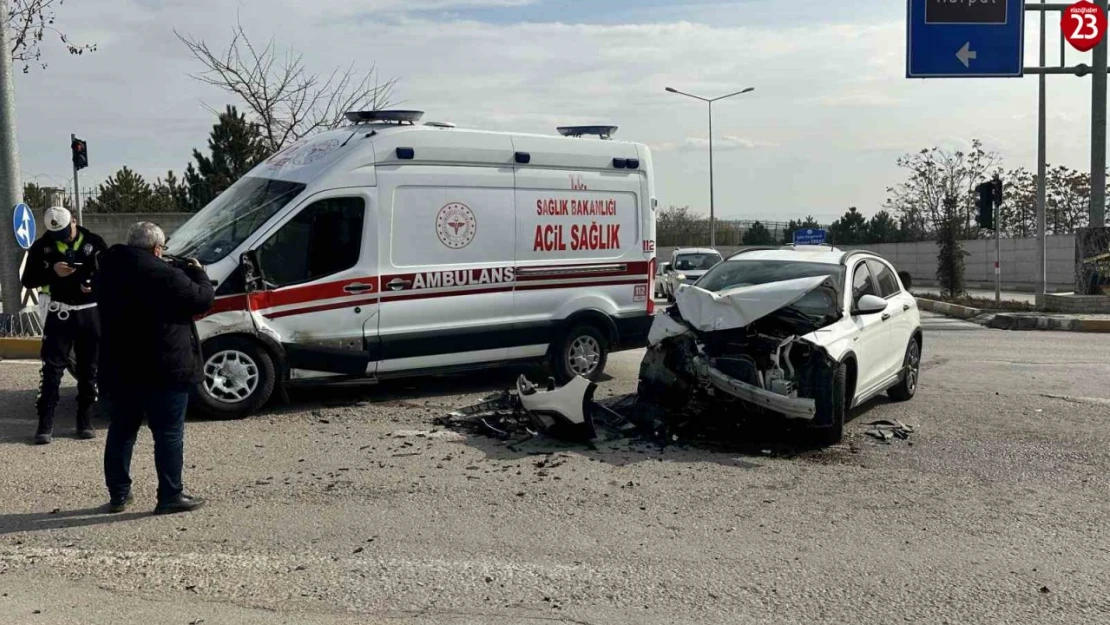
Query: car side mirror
x=252 y=274
x=869 y=305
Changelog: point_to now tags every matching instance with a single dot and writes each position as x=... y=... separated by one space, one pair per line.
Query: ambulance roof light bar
x=605 y=132
x=394 y=117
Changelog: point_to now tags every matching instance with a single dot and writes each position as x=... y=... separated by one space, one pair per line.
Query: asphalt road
x=349 y=506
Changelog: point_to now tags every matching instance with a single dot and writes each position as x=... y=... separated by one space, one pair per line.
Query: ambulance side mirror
x=252 y=274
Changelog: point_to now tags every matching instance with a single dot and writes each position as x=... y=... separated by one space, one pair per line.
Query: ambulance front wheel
x=239 y=378
x=583 y=351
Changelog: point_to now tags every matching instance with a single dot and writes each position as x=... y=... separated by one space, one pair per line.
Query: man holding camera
x=65 y=261
x=150 y=358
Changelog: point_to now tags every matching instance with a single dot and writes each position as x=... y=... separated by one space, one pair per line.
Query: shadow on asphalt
x=62 y=519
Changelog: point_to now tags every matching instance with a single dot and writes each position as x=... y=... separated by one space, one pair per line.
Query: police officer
x=64 y=260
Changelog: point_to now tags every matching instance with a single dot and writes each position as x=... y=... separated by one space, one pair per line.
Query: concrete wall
x=113 y=226
x=1019 y=260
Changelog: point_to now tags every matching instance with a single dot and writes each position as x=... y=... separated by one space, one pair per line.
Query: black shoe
x=116 y=506
x=86 y=434
x=183 y=503
x=44 y=438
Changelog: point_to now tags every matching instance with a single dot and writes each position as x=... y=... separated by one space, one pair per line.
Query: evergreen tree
x=171 y=195
x=950 y=258
x=883 y=229
x=758 y=234
x=851 y=229
x=235 y=146
x=123 y=192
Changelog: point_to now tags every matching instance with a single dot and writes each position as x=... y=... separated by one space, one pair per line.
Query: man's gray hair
x=145 y=235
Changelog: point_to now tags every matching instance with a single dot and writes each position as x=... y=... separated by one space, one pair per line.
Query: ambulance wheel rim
x=231 y=376
x=584 y=355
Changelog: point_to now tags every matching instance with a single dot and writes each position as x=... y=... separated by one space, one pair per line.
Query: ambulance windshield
x=234 y=215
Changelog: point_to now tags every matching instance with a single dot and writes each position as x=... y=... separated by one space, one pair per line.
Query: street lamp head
x=748 y=90
x=672 y=90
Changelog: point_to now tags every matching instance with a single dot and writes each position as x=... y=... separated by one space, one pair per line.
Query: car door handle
x=905 y=307
x=886 y=316
x=398 y=284
x=358 y=287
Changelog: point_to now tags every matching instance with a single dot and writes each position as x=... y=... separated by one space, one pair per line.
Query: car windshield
x=739 y=273
x=234 y=215
x=696 y=262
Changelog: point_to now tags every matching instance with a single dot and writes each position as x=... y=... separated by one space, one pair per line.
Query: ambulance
x=393 y=248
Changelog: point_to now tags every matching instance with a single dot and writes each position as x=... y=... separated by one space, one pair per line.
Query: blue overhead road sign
x=23 y=224
x=965 y=38
x=809 y=236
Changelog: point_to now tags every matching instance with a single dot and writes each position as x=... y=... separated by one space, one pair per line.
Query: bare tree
x=282 y=96
x=935 y=175
x=29 y=22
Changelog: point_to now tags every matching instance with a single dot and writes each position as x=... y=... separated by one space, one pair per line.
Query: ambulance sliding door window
x=323 y=239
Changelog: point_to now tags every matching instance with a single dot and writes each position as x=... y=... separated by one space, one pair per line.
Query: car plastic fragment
x=664 y=327
x=564 y=410
x=887 y=429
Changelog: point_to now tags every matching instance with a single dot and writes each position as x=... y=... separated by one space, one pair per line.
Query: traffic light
x=987 y=191
x=80 y=153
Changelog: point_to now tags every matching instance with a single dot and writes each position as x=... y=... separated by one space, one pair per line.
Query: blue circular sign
x=23 y=224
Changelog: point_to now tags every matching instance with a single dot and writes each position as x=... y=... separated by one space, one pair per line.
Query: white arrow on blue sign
x=965 y=38
x=23 y=224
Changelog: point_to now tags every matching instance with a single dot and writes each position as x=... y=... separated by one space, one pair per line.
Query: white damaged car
x=806 y=332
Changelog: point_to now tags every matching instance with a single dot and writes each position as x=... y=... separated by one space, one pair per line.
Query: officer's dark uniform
x=66 y=329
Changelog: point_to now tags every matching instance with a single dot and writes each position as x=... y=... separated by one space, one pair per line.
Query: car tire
x=584 y=350
x=911 y=374
x=239 y=378
x=832 y=408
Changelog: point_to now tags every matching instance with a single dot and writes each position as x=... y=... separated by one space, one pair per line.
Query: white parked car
x=660 y=276
x=808 y=333
x=687 y=265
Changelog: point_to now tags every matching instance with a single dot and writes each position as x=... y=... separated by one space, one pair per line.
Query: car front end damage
x=748 y=346
x=732 y=354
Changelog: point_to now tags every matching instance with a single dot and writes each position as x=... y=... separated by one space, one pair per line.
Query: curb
x=20 y=349
x=950 y=310
x=1015 y=321
x=1008 y=321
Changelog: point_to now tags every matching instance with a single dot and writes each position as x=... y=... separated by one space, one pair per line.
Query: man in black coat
x=149 y=359
x=63 y=261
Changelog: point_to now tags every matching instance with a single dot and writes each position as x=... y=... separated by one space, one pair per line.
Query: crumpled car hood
x=706 y=311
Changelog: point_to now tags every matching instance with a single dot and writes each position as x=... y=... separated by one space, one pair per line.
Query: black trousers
x=80 y=332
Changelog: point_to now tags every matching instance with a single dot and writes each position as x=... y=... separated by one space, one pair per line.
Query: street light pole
x=712 y=198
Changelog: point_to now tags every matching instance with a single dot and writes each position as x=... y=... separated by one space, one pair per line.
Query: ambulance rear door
x=579 y=239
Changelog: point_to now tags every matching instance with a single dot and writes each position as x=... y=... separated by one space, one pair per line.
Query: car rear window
x=695 y=262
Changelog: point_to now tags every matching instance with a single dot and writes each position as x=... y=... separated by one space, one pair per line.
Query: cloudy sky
x=831 y=112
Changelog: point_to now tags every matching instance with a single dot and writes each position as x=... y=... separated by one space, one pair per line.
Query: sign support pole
x=76 y=188
x=1042 y=141
x=1098 y=132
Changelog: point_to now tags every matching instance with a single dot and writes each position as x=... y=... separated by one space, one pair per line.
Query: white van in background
x=390 y=248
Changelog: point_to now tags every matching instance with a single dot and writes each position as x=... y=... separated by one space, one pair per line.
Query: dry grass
x=982 y=303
